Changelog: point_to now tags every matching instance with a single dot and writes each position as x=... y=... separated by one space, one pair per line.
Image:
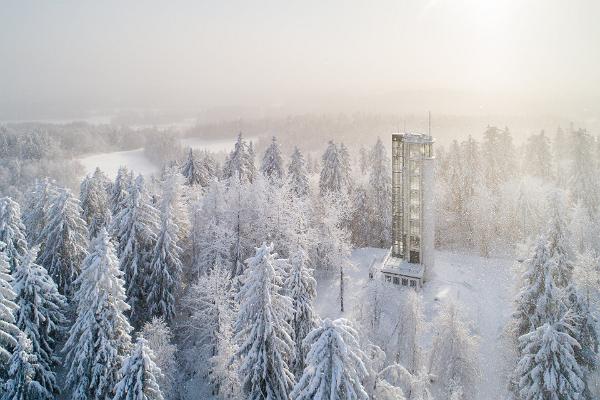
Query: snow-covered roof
x=414 y=137
x=398 y=266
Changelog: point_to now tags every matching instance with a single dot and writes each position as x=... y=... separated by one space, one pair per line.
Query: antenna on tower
x=429 y=125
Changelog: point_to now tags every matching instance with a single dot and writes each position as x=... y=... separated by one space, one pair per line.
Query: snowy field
x=109 y=163
x=137 y=161
x=483 y=287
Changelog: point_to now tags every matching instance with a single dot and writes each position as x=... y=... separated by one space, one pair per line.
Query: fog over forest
x=391 y=200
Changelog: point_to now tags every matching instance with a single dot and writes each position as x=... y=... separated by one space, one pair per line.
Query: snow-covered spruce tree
x=584 y=329
x=165 y=267
x=334 y=364
x=240 y=162
x=8 y=329
x=548 y=368
x=380 y=183
x=361 y=217
x=453 y=356
x=346 y=168
x=537 y=299
x=211 y=234
x=159 y=338
x=559 y=249
x=539 y=159
x=99 y=339
x=136 y=226
x=22 y=383
x=64 y=241
x=262 y=329
x=40 y=317
x=140 y=375
x=94 y=202
x=301 y=288
x=12 y=231
x=297 y=174
x=213 y=310
x=35 y=215
x=119 y=190
x=333 y=178
x=272 y=163
x=172 y=193
x=194 y=172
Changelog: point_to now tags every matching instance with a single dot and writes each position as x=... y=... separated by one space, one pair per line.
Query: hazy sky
x=449 y=55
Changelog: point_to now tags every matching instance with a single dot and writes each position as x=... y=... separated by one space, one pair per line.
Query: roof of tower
x=413 y=137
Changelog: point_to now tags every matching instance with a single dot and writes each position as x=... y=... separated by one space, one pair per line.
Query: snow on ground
x=484 y=288
x=109 y=163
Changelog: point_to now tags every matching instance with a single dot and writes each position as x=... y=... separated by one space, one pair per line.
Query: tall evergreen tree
x=37 y=209
x=240 y=162
x=119 y=190
x=22 y=383
x=334 y=364
x=333 y=178
x=301 y=287
x=93 y=197
x=194 y=172
x=140 y=375
x=64 y=241
x=380 y=182
x=263 y=330
x=548 y=368
x=297 y=174
x=8 y=329
x=40 y=317
x=272 y=163
x=559 y=249
x=165 y=267
x=99 y=339
x=136 y=226
x=12 y=231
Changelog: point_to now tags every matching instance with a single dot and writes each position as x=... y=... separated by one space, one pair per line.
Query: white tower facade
x=412 y=252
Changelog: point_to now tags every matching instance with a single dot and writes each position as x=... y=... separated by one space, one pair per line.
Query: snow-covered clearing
x=484 y=288
x=109 y=163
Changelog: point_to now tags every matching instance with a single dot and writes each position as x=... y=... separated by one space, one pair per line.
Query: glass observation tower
x=412 y=210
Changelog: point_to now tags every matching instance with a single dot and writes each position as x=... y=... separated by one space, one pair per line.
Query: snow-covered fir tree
x=136 y=226
x=333 y=175
x=298 y=175
x=119 y=190
x=301 y=288
x=334 y=364
x=240 y=162
x=164 y=271
x=64 y=241
x=99 y=340
x=12 y=231
x=212 y=235
x=139 y=375
x=262 y=329
x=547 y=368
x=8 y=329
x=537 y=300
x=272 y=162
x=22 y=383
x=94 y=201
x=160 y=340
x=453 y=358
x=380 y=190
x=39 y=201
x=40 y=317
x=213 y=311
x=559 y=249
x=195 y=171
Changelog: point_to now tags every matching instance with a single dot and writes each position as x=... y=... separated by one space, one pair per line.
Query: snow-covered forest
x=252 y=275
